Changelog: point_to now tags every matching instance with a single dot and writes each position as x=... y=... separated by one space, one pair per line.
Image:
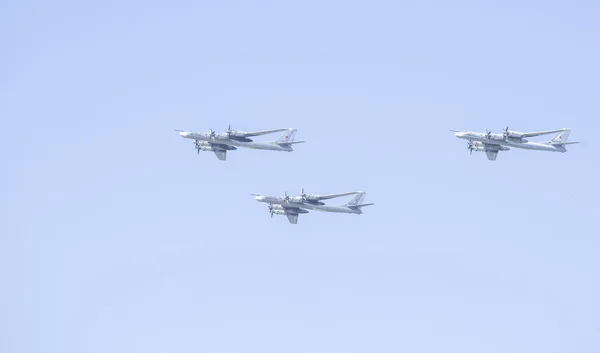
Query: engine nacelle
x=238 y=133
x=278 y=209
x=478 y=148
x=514 y=134
x=205 y=146
x=295 y=199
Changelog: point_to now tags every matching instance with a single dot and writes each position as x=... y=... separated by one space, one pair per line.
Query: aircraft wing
x=332 y=196
x=219 y=150
x=540 y=133
x=292 y=213
x=491 y=154
x=292 y=217
x=221 y=154
x=263 y=132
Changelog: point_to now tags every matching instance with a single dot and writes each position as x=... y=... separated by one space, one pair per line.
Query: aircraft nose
x=184 y=134
x=259 y=198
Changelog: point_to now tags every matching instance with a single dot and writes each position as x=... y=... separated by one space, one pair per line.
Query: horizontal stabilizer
x=363 y=205
x=563 y=143
x=290 y=143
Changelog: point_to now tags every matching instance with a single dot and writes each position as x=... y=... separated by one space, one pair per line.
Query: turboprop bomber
x=491 y=143
x=296 y=205
x=220 y=143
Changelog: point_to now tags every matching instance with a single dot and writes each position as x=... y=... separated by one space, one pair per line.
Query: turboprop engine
x=296 y=199
x=311 y=198
x=480 y=147
x=237 y=135
x=205 y=146
x=513 y=135
x=280 y=210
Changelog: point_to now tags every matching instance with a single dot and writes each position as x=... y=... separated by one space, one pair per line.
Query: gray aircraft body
x=293 y=206
x=491 y=143
x=219 y=144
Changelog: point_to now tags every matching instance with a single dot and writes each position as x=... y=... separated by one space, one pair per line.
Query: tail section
x=288 y=137
x=356 y=199
x=562 y=138
x=356 y=203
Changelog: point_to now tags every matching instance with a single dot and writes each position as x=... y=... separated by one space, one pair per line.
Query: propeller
x=286 y=197
x=271 y=210
x=229 y=131
x=197 y=146
x=212 y=134
x=488 y=134
x=470 y=146
x=506 y=133
x=303 y=195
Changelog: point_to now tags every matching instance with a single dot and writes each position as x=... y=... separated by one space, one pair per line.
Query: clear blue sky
x=117 y=237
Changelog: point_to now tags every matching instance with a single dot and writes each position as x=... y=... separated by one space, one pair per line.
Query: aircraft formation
x=293 y=206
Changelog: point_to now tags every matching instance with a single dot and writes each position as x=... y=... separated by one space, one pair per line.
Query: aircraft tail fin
x=356 y=200
x=287 y=137
x=562 y=138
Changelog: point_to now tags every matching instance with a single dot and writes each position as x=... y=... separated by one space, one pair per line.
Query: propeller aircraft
x=232 y=139
x=491 y=143
x=296 y=205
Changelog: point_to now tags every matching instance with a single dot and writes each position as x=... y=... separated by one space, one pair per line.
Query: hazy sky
x=117 y=237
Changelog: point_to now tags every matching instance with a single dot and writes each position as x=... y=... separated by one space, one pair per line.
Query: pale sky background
x=117 y=237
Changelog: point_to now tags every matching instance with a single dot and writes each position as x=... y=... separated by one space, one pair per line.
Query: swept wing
x=221 y=154
x=539 y=133
x=238 y=133
x=330 y=196
x=292 y=217
x=491 y=154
